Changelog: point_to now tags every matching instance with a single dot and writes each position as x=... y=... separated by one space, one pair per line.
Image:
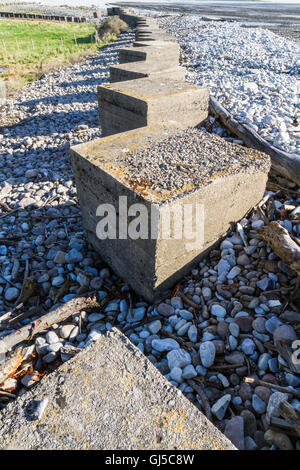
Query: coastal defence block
x=219 y=180
x=146 y=102
x=166 y=52
x=2 y=93
x=136 y=70
x=108 y=397
x=159 y=36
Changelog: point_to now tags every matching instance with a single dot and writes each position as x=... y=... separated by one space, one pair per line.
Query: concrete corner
x=109 y=397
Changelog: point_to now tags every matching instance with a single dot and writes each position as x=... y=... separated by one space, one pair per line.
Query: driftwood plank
x=57 y=315
x=257 y=382
x=282 y=244
x=291 y=415
x=284 y=163
x=280 y=425
x=287 y=354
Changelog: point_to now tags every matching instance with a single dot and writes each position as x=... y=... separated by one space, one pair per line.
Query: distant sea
x=103 y=2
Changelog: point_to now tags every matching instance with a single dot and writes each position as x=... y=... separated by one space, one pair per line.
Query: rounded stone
x=259 y=324
x=11 y=294
x=165 y=309
x=154 y=327
x=248 y=346
x=218 y=310
x=65 y=331
x=250 y=424
x=263 y=392
x=167 y=344
x=176 y=374
x=245 y=391
x=280 y=440
x=244 y=323
x=178 y=358
x=285 y=332
x=207 y=352
x=258 y=404
x=222 y=329
x=189 y=372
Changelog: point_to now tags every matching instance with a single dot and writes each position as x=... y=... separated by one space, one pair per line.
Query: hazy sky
x=103 y=2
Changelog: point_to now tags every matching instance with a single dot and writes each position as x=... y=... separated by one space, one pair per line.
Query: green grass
x=29 y=49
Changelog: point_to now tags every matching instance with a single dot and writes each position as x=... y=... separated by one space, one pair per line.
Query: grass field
x=28 y=49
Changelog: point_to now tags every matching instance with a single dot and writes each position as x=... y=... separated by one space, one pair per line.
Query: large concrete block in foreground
x=215 y=179
x=146 y=101
x=166 y=52
x=108 y=397
x=136 y=70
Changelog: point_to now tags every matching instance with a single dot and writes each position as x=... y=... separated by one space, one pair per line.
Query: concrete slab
x=136 y=70
x=159 y=36
x=150 y=101
x=2 y=93
x=103 y=174
x=166 y=52
x=108 y=397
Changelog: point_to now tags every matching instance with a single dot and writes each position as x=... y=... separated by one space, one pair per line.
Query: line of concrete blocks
x=33 y=16
x=146 y=102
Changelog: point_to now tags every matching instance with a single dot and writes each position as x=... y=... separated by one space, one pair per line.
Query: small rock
x=234 y=430
x=207 y=352
x=245 y=323
x=189 y=372
x=65 y=331
x=51 y=337
x=273 y=406
x=220 y=407
x=154 y=327
x=192 y=333
x=258 y=404
x=280 y=440
x=74 y=256
x=178 y=358
x=167 y=344
x=248 y=346
x=218 y=310
x=165 y=309
x=285 y=332
x=176 y=374
x=250 y=443
x=11 y=294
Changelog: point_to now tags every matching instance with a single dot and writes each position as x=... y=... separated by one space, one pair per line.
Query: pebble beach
x=222 y=323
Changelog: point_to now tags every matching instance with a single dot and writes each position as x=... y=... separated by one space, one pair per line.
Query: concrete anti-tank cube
x=2 y=93
x=136 y=70
x=223 y=180
x=166 y=52
x=160 y=36
x=146 y=102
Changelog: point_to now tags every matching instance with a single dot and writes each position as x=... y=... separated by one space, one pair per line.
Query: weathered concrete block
x=155 y=36
x=97 y=14
x=2 y=93
x=165 y=52
x=136 y=70
x=224 y=182
x=108 y=397
x=138 y=103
